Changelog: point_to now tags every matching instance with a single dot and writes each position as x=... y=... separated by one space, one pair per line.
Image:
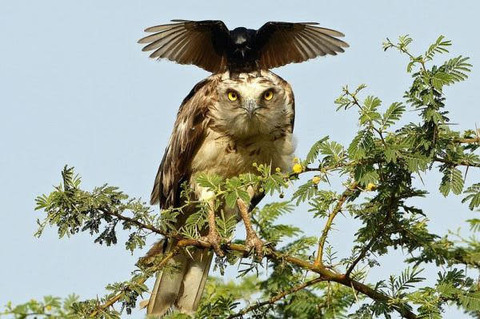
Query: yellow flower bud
x=297 y=168
x=316 y=180
x=371 y=187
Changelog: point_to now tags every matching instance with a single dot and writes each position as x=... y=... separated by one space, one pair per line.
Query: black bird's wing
x=201 y=43
x=280 y=43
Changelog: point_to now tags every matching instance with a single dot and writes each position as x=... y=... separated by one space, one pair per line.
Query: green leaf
x=365 y=174
x=404 y=41
x=304 y=192
x=361 y=145
x=333 y=152
x=315 y=150
x=416 y=162
x=407 y=279
x=210 y=181
x=474 y=224
x=470 y=301
x=457 y=68
x=452 y=180
x=473 y=196
x=231 y=199
x=368 y=113
x=270 y=212
x=440 y=46
x=392 y=114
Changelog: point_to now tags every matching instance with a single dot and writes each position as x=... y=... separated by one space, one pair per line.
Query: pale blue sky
x=76 y=89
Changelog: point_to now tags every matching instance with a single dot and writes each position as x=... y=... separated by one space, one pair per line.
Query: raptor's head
x=252 y=104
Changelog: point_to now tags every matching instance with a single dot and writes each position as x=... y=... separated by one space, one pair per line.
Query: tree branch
x=325 y=274
x=460 y=163
x=474 y=140
x=372 y=241
x=135 y=222
x=114 y=299
x=328 y=224
x=365 y=249
x=341 y=279
x=270 y=253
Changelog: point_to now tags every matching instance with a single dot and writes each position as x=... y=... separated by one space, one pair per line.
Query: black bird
x=210 y=45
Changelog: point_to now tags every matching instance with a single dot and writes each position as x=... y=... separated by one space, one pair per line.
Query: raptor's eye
x=232 y=96
x=268 y=95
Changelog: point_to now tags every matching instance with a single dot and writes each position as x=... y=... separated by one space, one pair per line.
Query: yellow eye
x=232 y=96
x=268 y=95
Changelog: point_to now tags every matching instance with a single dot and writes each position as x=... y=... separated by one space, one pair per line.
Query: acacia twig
x=270 y=253
x=328 y=224
x=114 y=299
x=459 y=163
x=474 y=140
x=366 y=248
x=372 y=241
x=134 y=221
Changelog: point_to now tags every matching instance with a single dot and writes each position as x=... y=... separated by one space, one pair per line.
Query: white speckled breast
x=220 y=154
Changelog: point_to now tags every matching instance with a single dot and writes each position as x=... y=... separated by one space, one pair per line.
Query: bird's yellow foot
x=214 y=239
x=252 y=242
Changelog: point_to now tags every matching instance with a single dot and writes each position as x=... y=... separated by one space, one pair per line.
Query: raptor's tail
x=181 y=284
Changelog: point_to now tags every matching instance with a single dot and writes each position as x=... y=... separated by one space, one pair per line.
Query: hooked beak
x=251 y=106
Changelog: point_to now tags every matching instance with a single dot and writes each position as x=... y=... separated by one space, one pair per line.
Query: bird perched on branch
x=210 y=45
x=223 y=126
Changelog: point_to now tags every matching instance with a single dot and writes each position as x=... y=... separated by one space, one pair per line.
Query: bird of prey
x=210 y=45
x=223 y=126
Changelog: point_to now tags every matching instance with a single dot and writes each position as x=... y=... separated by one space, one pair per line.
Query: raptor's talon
x=214 y=239
x=256 y=244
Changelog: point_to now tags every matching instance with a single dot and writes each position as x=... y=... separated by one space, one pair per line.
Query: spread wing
x=188 y=133
x=201 y=43
x=280 y=43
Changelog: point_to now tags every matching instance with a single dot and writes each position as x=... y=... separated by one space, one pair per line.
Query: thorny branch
x=331 y=217
x=363 y=253
x=475 y=140
x=134 y=222
x=372 y=241
x=461 y=163
x=160 y=265
x=270 y=253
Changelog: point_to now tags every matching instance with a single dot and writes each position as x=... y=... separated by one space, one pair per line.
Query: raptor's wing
x=201 y=43
x=188 y=134
x=280 y=43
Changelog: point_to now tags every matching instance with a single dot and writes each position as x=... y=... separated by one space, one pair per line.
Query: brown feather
x=211 y=46
x=191 y=38
x=188 y=132
x=213 y=134
x=284 y=37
